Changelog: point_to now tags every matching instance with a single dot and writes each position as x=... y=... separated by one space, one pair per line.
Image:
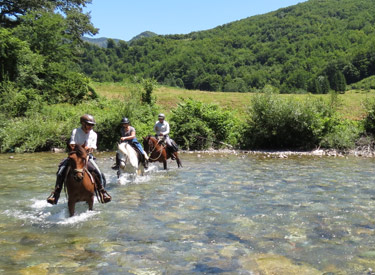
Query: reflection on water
x=221 y=213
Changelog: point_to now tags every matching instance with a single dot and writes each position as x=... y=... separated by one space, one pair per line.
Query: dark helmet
x=89 y=119
x=125 y=120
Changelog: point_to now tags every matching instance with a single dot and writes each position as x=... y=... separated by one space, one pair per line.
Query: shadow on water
x=221 y=213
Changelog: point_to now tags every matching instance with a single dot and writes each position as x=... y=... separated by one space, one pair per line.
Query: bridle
x=151 y=145
x=81 y=171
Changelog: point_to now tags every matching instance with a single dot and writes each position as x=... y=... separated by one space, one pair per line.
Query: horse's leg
x=141 y=170
x=165 y=163
x=179 y=164
x=71 y=206
x=90 y=202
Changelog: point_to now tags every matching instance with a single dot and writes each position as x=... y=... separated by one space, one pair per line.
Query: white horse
x=129 y=162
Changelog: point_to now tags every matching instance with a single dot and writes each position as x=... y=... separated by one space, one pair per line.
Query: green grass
x=167 y=98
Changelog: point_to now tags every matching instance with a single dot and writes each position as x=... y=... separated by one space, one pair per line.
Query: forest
x=311 y=47
x=317 y=47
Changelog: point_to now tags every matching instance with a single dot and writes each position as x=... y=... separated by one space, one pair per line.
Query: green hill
x=313 y=46
x=103 y=41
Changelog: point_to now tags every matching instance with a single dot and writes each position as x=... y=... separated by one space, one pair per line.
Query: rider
x=128 y=135
x=86 y=137
x=161 y=129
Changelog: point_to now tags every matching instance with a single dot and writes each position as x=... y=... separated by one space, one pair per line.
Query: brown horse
x=157 y=151
x=79 y=182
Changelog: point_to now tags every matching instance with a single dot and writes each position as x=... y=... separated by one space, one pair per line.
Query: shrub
x=15 y=101
x=276 y=122
x=369 y=120
x=342 y=135
x=52 y=126
x=196 y=125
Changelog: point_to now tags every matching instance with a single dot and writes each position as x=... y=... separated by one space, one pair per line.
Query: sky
x=124 y=19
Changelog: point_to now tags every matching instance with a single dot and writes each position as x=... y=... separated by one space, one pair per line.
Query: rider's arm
x=132 y=135
x=166 y=132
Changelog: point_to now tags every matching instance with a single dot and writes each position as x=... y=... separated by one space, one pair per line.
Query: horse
x=128 y=155
x=79 y=182
x=157 y=151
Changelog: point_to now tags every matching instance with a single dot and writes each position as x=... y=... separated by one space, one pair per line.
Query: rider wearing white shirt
x=79 y=136
x=161 y=129
x=87 y=138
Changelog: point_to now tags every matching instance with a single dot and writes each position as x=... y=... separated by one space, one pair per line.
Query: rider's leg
x=170 y=148
x=145 y=157
x=116 y=166
x=60 y=176
x=93 y=168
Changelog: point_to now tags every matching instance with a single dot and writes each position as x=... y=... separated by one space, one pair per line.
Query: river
x=221 y=213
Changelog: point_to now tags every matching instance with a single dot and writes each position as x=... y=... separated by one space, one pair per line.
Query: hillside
x=351 y=104
x=103 y=41
x=313 y=46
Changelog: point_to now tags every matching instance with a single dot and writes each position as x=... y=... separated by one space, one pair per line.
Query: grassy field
x=351 y=103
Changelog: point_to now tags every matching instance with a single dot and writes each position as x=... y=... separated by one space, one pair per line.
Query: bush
x=342 y=135
x=16 y=101
x=52 y=126
x=196 y=125
x=369 y=120
x=276 y=122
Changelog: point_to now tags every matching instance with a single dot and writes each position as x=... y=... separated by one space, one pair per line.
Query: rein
x=154 y=147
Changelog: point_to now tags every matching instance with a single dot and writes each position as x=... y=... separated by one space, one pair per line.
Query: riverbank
x=359 y=152
x=367 y=152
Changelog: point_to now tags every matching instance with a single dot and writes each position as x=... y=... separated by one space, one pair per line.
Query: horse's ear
x=71 y=147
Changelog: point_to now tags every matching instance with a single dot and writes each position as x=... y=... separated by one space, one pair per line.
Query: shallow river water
x=220 y=213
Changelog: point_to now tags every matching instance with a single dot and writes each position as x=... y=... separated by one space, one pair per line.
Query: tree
x=11 y=12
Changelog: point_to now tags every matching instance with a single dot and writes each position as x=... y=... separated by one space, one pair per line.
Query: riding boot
x=116 y=166
x=145 y=160
x=170 y=152
x=55 y=195
x=145 y=155
x=105 y=197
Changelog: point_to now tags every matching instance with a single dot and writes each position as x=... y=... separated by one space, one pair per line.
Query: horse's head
x=78 y=161
x=149 y=143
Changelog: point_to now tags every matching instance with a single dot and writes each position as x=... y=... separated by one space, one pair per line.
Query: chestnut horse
x=157 y=151
x=79 y=182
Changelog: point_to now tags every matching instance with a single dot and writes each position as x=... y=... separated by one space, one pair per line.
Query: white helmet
x=161 y=116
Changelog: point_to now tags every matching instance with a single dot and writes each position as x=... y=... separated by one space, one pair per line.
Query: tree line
x=315 y=46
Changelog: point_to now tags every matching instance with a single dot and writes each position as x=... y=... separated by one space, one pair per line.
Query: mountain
x=102 y=41
x=145 y=34
x=312 y=46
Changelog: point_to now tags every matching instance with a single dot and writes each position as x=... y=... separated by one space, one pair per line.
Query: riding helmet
x=125 y=120
x=161 y=116
x=88 y=119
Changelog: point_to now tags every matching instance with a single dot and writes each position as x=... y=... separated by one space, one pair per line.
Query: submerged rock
x=276 y=264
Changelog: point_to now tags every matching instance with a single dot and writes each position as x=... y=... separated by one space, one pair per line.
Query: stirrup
x=52 y=199
x=104 y=196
